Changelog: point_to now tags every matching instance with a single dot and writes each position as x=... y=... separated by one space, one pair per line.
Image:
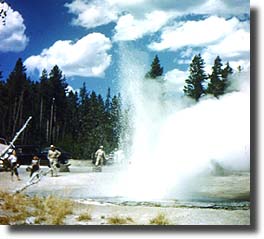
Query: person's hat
x=52 y=146
x=101 y=147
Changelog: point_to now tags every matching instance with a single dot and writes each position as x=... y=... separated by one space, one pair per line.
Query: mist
x=174 y=139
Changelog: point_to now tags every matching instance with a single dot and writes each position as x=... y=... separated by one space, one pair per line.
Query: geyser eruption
x=173 y=141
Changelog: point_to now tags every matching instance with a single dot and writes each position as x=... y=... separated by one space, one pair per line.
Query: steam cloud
x=175 y=139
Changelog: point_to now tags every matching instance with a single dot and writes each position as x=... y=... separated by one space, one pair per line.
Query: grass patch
x=129 y=219
x=84 y=217
x=4 y=220
x=15 y=207
x=116 y=220
x=48 y=210
x=56 y=209
x=160 y=219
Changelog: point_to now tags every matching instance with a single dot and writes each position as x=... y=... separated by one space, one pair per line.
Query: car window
x=45 y=150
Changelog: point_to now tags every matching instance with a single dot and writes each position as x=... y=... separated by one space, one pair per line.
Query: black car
x=25 y=154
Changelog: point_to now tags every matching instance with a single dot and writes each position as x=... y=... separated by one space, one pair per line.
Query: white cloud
x=12 y=34
x=176 y=76
x=233 y=45
x=195 y=33
x=234 y=48
x=187 y=52
x=223 y=7
x=111 y=9
x=230 y=39
x=91 y=14
x=86 y=57
x=138 y=14
x=129 y=28
x=134 y=19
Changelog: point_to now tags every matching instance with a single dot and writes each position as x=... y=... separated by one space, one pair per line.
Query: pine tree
x=83 y=94
x=83 y=109
x=156 y=70
x=115 y=120
x=194 y=84
x=219 y=78
x=107 y=116
x=216 y=86
x=3 y=106
x=17 y=85
x=108 y=100
x=57 y=102
x=227 y=71
x=44 y=106
x=70 y=138
x=101 y=122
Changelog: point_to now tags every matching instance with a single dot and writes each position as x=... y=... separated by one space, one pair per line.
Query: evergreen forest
x=81 y=122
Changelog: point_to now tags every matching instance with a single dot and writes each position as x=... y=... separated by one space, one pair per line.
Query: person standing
x=53 y=156
x=100 y=156
x=14 y=165
x=34 y=165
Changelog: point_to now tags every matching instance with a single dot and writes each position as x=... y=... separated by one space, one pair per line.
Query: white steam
x=174 y=139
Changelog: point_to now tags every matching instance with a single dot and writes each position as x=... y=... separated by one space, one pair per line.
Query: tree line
x=79 y=123
x=199 y=83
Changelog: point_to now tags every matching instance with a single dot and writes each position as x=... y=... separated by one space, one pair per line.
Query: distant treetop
x=156 y=70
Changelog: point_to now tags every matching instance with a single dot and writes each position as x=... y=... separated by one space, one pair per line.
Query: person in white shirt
x=14 y=165
x=100 y=156
x=53 y=156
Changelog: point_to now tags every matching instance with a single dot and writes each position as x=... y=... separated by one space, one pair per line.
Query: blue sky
x=82 y=36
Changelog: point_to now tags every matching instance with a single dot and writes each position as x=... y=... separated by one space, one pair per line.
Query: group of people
x=53 y=155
